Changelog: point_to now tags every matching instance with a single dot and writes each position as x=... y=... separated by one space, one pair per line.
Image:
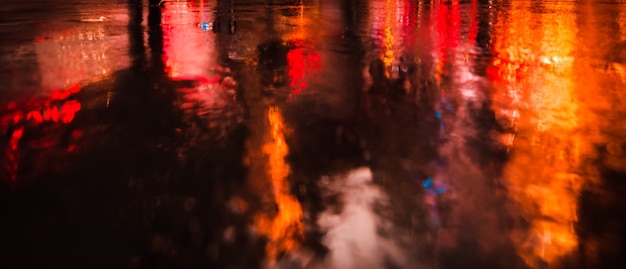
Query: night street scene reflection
x=313 y=134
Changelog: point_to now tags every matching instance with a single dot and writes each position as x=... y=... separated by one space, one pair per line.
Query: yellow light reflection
x=302 y=26
x=536 y=94
x=388 y=38
x=284 y=229
x=390 y=22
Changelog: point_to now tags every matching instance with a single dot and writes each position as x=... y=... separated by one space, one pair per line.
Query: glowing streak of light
x=534 y=71
x=285 y=229
x=391 y=23
x=12 y=154
x=389 y=40
x=301 y=25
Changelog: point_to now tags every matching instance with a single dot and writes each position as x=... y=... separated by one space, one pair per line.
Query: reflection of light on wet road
x=301 y=62
x=537 y=97
x=189 y=51
x=82 y=54
x=190 y=56
x=599 y=84
x=454 y=44
x=55 y=108
x=446 y=35
x=284 y=229
x=302 y=59
x=390 y=22
x=297 y=27
x=357 y=235
x=67 y=56
x=388 y=38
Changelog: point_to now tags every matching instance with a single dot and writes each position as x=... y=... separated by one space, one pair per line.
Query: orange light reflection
x=284 y=229
x=534 y=77
x=391 y=24
x=388 y=38
x=303 y=59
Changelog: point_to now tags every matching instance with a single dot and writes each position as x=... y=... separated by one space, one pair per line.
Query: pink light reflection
x=189 y=51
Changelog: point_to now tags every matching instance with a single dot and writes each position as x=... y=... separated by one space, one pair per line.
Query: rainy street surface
x=339 y=134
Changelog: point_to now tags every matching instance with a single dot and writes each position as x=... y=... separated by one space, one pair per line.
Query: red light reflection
x=301 y=61
x=447 y=36
x=55 y=108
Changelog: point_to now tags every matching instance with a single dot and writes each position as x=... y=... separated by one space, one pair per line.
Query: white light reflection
x=357 y=235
